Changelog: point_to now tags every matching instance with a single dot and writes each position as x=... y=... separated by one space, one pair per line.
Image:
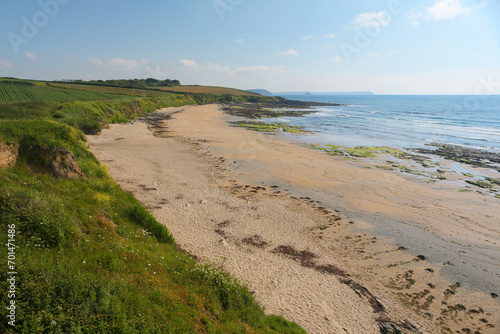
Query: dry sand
x=329 y=244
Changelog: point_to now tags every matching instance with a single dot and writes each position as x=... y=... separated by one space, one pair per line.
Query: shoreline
x=300 y=249
x=411 y=170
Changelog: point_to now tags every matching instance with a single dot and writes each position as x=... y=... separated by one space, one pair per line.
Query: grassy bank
x=88 y=257
x=91 y=259
x=90 y=107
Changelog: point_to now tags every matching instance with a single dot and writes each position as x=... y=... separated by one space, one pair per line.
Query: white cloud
x=306 y=37
x=373 y=54
x=239 y=40
x=31 y=56
x=5 y=64
x=380 y=19
x=259 y=69
x=332 y=35
x=337 y=59
x=218 y=68
x=211 y=70
x=190 y=64
x=441 y=10
x=291 y=52
x=118 y=64
x=395 y=52
x=446 y=9
x=156 y=72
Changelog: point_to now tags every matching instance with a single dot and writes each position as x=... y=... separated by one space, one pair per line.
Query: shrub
x=34 y=219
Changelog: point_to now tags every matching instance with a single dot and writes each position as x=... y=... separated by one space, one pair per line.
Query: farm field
x=11 y=92
x=112 y=90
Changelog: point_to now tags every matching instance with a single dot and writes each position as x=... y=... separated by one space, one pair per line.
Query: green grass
x=112 y=90
x=27 y=110
x=90 y=107
x=91 y=259
x=91 y=116
x=11 y=92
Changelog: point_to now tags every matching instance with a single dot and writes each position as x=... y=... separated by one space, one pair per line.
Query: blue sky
x=388 y=47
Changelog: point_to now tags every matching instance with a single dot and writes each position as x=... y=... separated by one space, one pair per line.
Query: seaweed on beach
x=281 y=108
x=256 y=241
x=270 y=127
x=364 y=151
x=469 y=156
x=307 y=259
x=480 y=184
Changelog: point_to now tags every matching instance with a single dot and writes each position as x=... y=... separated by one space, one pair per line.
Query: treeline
x=128 y=83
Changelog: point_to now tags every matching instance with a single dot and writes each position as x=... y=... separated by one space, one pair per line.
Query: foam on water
x=405 y=121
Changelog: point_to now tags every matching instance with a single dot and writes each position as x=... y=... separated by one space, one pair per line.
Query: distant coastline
x=265 y=92
x=323 y=93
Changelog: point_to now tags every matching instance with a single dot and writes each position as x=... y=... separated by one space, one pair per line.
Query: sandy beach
x=330 y=244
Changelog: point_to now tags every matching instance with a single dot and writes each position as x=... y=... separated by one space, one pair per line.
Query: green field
x=111 y=90
x=11 y=92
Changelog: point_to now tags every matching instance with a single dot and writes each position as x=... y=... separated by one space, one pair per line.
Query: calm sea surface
x=403 y=121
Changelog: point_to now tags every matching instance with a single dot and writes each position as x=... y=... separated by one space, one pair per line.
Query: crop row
x=11 y=93
x=114 y=90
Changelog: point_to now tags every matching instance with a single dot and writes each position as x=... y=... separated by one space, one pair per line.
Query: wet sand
x=331 y=244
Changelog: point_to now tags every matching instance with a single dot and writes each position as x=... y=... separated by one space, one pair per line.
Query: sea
x=402 y=121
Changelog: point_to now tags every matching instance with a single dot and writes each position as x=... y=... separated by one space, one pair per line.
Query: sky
x=387 y=47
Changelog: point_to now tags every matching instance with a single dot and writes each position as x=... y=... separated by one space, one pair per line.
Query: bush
x=36 y=221
x=27 y=110
x=86 y=125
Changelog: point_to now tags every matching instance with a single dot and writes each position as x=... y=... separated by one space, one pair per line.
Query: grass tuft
x=139 y=215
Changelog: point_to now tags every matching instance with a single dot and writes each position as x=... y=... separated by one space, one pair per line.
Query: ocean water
x=403 y=121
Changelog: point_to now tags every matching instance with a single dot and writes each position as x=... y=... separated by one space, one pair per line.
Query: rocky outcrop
x=8 y=154
x=56 y=161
